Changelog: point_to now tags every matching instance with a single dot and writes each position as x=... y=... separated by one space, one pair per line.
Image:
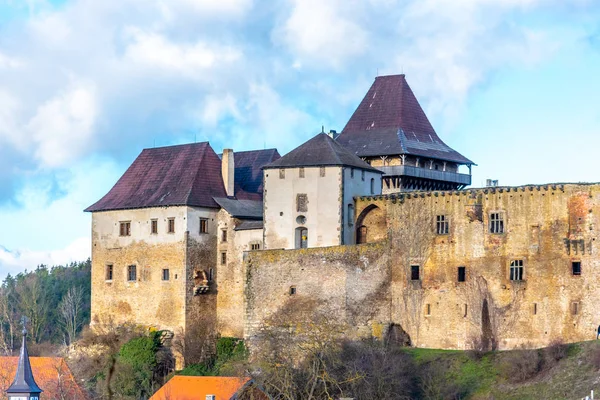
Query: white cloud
x=9 y=62
x=153 y=49
x=62 y=128
x=322 y=32
x=15 y=261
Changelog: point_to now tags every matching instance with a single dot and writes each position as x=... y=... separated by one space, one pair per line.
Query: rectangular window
x=203 y=225
x=350 y=214
x=574 y=308
x=414 y=273
x=427 y=309
x=223 y=258
x=516 y=270
x=125 y=228
x=351 y=172
x=362 y=175
x=211 y=274
x=576 y=267
x=302 y=202
x=154 y=226
x=255 y=246
x=441 y=225
x=165 y=274
x=131 y=273
x=171 y=225
x=282 y=173
x=322 y=171
x=497 y=222
x=109 y=272
x=292 y=290
x=301 y=172
x=224 y=235
x=462 y=274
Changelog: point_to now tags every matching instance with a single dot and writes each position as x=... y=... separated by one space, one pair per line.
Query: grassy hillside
x=557 y=372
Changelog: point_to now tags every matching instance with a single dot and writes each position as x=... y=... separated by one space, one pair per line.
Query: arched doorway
x=301 y=238
x=371 y=225
x=361 y=234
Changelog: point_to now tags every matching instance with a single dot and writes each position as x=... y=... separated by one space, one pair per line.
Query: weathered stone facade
x=545 y=234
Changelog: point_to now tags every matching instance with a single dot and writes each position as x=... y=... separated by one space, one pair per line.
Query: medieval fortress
x=372 y=227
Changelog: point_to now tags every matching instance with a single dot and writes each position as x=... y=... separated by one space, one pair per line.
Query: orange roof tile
x=198 y=387
x=51 y=374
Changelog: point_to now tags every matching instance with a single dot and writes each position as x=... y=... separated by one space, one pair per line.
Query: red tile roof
x=198 y=387
x=390 y=121
x=188 y=174
x=51 y=374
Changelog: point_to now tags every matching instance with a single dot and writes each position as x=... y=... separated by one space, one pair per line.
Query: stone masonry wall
x=548 y=227
x=349 y=284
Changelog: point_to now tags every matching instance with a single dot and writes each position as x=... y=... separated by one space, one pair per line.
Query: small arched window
x=301 y=238
x=372 y=185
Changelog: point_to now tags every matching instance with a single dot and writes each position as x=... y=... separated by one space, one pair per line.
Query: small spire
x=24 y=382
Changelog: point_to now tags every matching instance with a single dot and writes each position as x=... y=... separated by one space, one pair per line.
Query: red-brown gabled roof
x=188 y=174
x=51 y=374
x=199 y=387
x=390 y=121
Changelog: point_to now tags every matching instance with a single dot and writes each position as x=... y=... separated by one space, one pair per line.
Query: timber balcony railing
x=425 y=173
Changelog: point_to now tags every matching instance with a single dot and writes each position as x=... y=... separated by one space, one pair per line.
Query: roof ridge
x=330 y=144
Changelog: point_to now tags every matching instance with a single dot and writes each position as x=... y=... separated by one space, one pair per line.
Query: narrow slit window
x=171 y=225
x=516 y=270
x=301 y=172
x=465 y=311
x=165 y=274
x=255 y=246
x=322 y=171
x=154 y=226
x=576 y=267
x=535 y=309
x=109 y=272
x=427 y=309
x=223 y=258
x=575 y=308
x=351 y=172
x=372 y=185
x=362 y=175
x=292 y=290
x=282 y=173
x=462 y=274
x=415 y=273
x=224 y=235
x=211 y=274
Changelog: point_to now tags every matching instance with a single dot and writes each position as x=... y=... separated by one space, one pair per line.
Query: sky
x=85 y=85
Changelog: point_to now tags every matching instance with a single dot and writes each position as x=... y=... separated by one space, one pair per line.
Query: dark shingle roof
x=248 y=172
x=321 y=150
x=247 y=225
x=390 y=121
x=188 y=174
x=245 y=209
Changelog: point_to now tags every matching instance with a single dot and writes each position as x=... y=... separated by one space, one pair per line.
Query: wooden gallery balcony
x=405 y=177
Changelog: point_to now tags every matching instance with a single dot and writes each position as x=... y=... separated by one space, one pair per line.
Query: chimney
x=228 y=171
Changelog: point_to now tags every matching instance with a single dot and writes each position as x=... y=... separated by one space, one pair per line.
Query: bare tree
x=33 y=303
x=69 y=310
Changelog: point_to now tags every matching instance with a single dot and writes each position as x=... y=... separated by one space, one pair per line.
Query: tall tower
x=24 y=386
x=390 y=131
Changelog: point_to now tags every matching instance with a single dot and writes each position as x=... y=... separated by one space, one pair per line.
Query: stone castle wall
x=547 y=227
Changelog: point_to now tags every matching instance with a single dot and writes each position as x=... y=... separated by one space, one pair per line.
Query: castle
x=372 y=227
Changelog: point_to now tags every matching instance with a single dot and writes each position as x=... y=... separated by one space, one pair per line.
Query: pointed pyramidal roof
x=24 y=382
x=390 y=121
x=320 y=151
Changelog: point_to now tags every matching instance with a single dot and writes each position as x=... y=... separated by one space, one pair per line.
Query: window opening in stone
x=322 y=171
x=465 y=309
x=301 y=219
x=301 y=202
x=165 y=274
x=441 y=225
x=131 y=273
x=224 y=235
x=496 y=223
x=362 y=175
x=211 y=274
x=462 y=274
x=534 y=308
x=282 y=173
x=361 y=234
x=301 y=238
x=125 y=228
x=171 y=225
x=351 y=172
x=350 y=214
x=223 y=258
x=576 y=267
x=301 y=172
x=414 y=273
x=372 y=185
x=292 y=290
x=516 y=270
x=255 y=246
x=154 y=226
x=203 y=225
x=575 y=308
x=109 y=272
x=427 y=309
